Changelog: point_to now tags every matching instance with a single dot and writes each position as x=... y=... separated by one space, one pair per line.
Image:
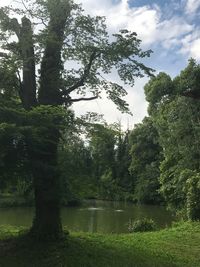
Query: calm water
x=94 y=216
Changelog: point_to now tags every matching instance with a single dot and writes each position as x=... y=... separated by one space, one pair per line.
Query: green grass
x=178 y=246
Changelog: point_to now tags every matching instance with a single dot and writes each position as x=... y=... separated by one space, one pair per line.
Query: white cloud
x=120 y=15
x=171 y=31
x=192 y=48
x=5 y=2
x=145 y=20
x=195 y=49
x=191 y=45
x=192 y=6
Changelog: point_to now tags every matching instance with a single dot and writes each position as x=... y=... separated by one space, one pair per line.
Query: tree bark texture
x=28 y=86
x=47 y=222
x=51 y=66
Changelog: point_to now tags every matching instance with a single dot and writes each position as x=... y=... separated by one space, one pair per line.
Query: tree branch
x=2 y=54
x=86 y=72
x=10 y=24
x=83 y=99
x=40 y=23
x=15 y=26
x=26 y=8
x=195 y=94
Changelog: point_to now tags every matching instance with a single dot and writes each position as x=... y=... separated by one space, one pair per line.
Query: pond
x=93 y=216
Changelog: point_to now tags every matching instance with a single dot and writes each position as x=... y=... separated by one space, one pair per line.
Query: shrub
x=142 y=225
x=193 y=197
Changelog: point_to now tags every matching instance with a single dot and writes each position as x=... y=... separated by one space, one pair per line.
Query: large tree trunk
x=47 y=222
x=51 y=66
x=42 y=149
x=28 y=86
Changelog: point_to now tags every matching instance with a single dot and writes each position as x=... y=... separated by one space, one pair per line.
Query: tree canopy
x=176 y=118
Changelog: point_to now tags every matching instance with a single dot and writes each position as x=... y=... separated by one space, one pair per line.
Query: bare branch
x=86 y=72
x=31 y=13
x=43 y=22
x=26 y=8
x=83 y=99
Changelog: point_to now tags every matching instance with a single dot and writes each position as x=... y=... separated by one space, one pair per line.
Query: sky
x=169 y=28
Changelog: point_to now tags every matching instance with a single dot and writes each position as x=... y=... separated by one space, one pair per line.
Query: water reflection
x=94 y=216
x=119 y=210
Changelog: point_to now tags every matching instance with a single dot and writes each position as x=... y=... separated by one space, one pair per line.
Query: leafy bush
x=142 y=225
x=193 y=197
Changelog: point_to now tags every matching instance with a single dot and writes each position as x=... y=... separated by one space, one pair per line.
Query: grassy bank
x=8 y=200
x=178 y=246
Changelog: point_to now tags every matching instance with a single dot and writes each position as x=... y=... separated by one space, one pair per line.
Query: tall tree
x=123 y=160
x=102 y=141
x=66 y=35
x=176 y=118
x=145 y=161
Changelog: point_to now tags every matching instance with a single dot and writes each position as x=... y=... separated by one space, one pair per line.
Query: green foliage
x=189 y=78
x=175 y=114
x=110 y=148
x=75 y=164
x=179 y=137
x=142 y=225
x=158 y=90
x=13 y=161
x=102 y=141
x=94 y=166
x=9 y=85
x=123 y=160
x=144 y=167
x=193 y=196
x=108 y=188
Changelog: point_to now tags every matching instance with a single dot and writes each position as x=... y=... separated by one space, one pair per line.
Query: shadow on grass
x=78 y=250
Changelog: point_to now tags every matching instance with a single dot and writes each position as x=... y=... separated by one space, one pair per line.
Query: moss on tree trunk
x=47 y=222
